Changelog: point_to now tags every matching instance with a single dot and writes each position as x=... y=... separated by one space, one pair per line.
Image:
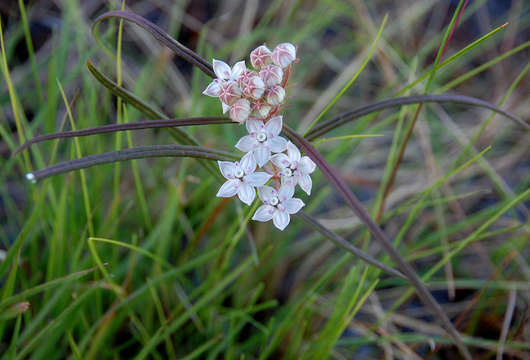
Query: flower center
x=239 y=173
x=274 y=201
x=294 y=165
x=287 y=172
x=261 y=137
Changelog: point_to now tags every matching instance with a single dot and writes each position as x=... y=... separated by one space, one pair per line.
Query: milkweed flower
x=284 y=54
x=277 y=205
x=275 y=95
x=294 y=168
x=260 y=56
x=223 y=71
x=271 y=75
x=241 y=179
x=253 y=96
x=263 y=139
x=240 y=111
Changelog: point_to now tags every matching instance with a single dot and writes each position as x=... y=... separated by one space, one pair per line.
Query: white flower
x=294 y=169
x=223 y=84
x=278 y=205
x=224 y=72
x=240 y=111
x=262 y=139
x=284 y=54
x=260 y=56
x=213 y=88
x=241 y=179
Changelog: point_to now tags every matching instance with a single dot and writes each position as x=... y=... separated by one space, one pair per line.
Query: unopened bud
x=260 y=56
x=260 y=109
x=253 y=87
x=271 y=75
x=275 y=95
x=284 y=54
x=240 y=111
x=229 y=92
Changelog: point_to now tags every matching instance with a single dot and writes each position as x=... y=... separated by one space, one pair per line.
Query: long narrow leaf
x=178 y=134
x=139 y=125
x=161 y=36
x=350 y=115
x=139 y=152
x=377 y=233
x=339 y=241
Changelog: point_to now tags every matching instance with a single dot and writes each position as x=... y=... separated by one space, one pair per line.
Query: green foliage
x=141 y=260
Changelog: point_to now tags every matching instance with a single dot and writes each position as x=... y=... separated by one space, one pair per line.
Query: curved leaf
x=139 y=152
x=139 y=125
x=161 y=36
x=374 y=229
x=341 y=242
x=348 y=116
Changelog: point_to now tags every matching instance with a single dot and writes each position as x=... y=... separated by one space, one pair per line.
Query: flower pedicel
x=254 y=97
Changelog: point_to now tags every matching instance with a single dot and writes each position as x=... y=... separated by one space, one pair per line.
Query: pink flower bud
x=271 y=75
x=275 y=95
x=245 y=75
x=284 y=54
x=252 y=87
x=260 y=56
x=260 y=109
x=240 y=111
x=229 y=92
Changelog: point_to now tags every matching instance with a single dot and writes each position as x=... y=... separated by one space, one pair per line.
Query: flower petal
x=212 y=89
x=293 y=152
x=274 y=126
x=228 y=169
x=277 y=144
x=305 y=183
x=307 y=165
x=289 y=181
x=225 y=107
x=280 y=219
x=254 y=126
x=246 y=143
x=237 y=69
x=257 y=179
x=280 y=160
x=262 y=155
x=221 y=69
x=266 y=193
x=248 y=163
x=286 y=192
x=292 y=206
x=264 y=213
x=229 y=188
x=246 y=193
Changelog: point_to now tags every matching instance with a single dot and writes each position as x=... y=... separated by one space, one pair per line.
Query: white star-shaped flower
x=277 y=205
x=241 y=179
x=224 y=73
x=262 y=139
x=294 y=168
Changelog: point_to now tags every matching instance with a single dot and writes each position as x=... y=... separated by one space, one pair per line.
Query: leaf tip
x=31 y=178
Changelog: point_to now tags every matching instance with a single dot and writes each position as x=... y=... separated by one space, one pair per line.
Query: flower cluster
x=254 y=97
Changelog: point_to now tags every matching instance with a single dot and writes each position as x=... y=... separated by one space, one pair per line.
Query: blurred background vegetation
x=140 y=259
